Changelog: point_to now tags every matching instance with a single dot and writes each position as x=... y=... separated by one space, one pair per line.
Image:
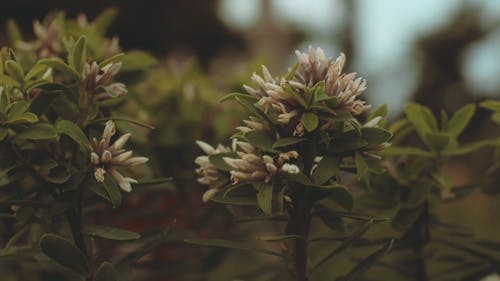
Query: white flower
x=107 y=157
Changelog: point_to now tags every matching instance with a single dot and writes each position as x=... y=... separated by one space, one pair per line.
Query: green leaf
x=239 y=201
x=375 y=136
x=347 y=143
x=112 y=233
x=471 y=147
x=112 y=190
x=366 y=263
x=341 y=196
x=36 y=70
x=230 y=245
x=436 y=140
x=41 y=103
x=329 y=218
x=327 y=168
x=379 y=111
x=310 y=121
x=79 y=54
x=346 y=243
x=265 y=198
x=401 y=150
x=132 y=121
x=460 y=120
x=493 y=105
x=40 y=131
x=16 y=109
x=59 y=65
x=137 y=60
x=230 y=96
x=291 y=72
x=14 y=70
x=219 y=163
x=283 y=142
x=280 y=238
x=74 y=132
x=14 y=34
x=106 y=272
x=4 y=132
x=361 y=166
x=65 y=253
x=113 y=59
x=422 y=119
x=261 y=140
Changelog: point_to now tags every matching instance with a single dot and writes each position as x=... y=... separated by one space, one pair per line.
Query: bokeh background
x=442 y=54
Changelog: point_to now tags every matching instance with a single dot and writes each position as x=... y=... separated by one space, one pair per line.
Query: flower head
x=314 y=67
x=252 y=167
x=206 y=170
x=106 y=157
x=99 y=78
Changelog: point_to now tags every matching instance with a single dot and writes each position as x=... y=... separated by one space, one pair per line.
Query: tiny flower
x=253 y=167
x=107 y=157
x=206 y=170
x=98 y=80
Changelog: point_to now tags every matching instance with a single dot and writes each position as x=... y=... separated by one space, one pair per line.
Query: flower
x=95 y=78
x=286 y=98
x=48 y=40
x=207 y=171
x=314 y=67
x=107 y=157
x=252 y=167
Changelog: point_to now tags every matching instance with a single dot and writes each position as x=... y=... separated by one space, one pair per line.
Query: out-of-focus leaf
x=112 y=233
x=106 y=272
x=65 y=253
x=366 y=263
x=400 y=150
x=345 y=244
x=218 y=243
x=241 y=201
x=280 y=238
x=460 y=120
x=422 y=119
x=137 y=60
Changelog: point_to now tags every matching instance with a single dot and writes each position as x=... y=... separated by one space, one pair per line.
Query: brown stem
x=301 y=218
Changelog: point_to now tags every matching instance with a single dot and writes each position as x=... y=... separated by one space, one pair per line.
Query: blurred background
x=406 y=48
x=442 y=54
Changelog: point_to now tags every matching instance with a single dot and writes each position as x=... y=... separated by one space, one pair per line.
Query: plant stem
x=301 y=217
x=422 y=237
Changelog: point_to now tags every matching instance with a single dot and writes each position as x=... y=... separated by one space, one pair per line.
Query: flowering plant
x=55 y=165
x=309 y=136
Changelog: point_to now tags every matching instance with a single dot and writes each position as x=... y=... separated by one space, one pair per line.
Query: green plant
x=302 y=145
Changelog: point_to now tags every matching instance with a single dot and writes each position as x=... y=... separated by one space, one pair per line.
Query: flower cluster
x=251 y=167
x=48 y=40
x=289 y=97
x=98 y=79
x=107 y=157
x=247 y=165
